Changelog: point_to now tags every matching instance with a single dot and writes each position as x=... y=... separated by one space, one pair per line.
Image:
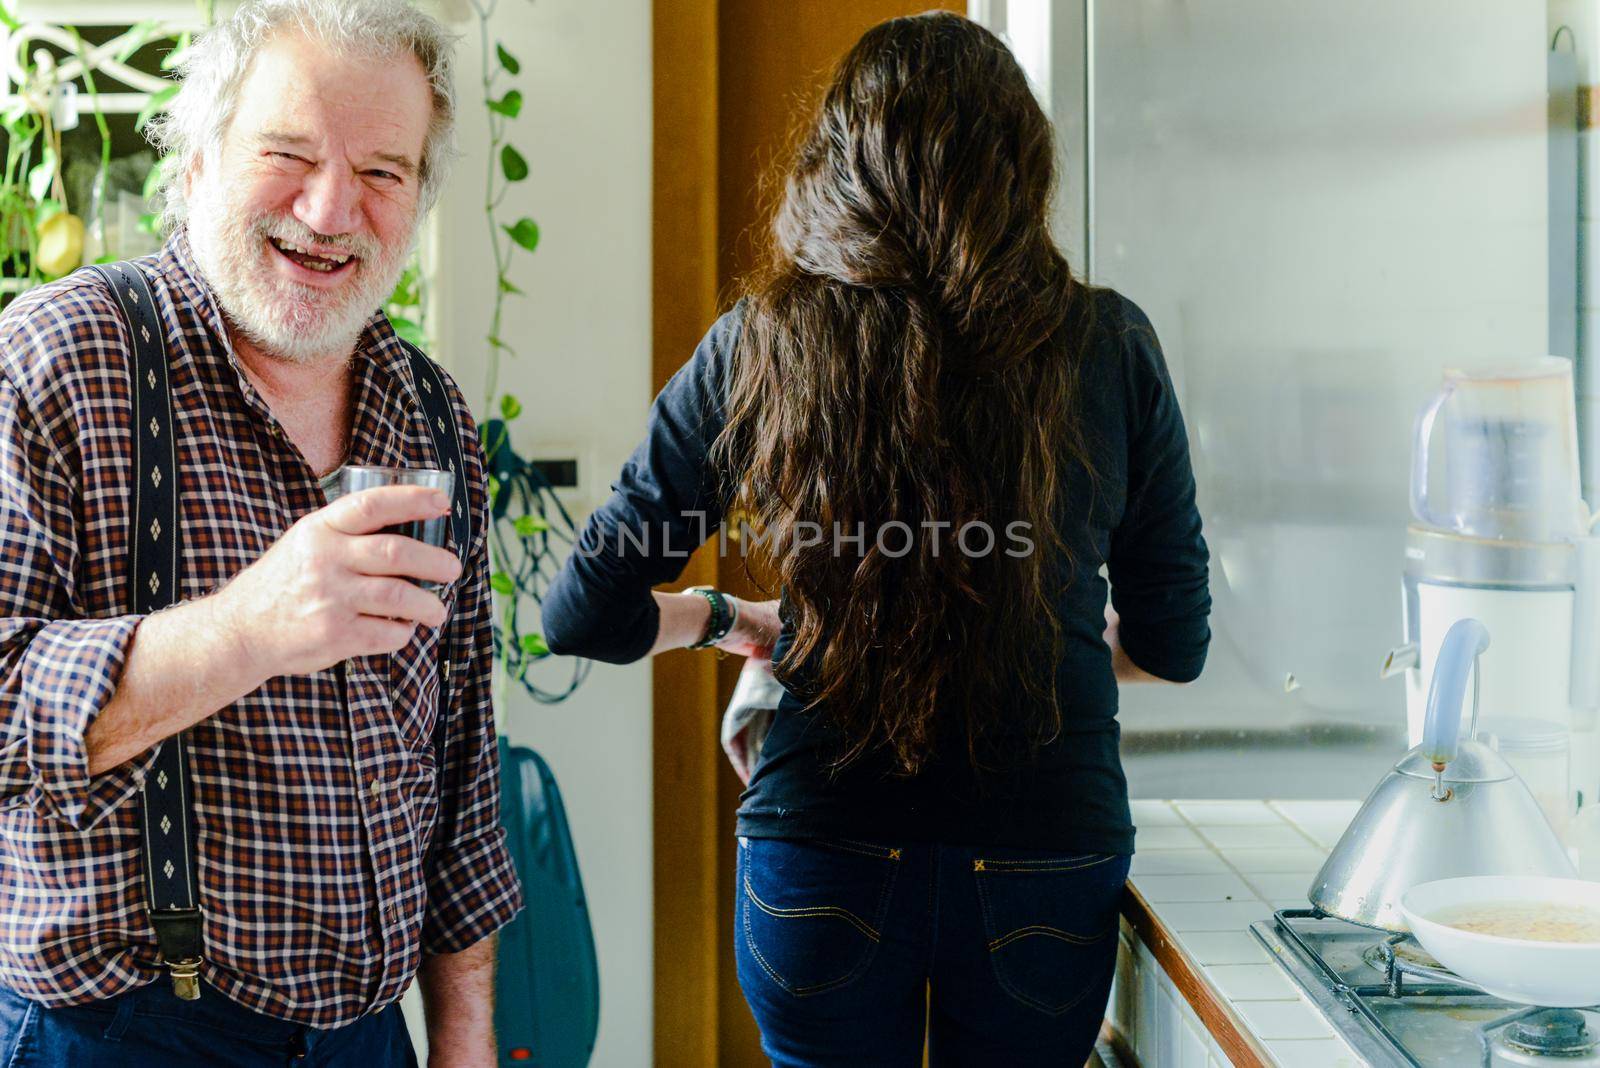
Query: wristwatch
x=724 y=614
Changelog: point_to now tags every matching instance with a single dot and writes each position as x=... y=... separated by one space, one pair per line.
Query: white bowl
x=1552 y=974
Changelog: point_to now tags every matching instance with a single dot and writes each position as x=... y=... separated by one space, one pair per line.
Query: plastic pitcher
x=1496 y=453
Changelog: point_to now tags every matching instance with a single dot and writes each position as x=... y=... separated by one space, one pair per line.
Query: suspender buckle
x=185 y=978
x=178 y=938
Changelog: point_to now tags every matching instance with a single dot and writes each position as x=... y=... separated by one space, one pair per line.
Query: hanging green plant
x=42 y=236
x=532 y=530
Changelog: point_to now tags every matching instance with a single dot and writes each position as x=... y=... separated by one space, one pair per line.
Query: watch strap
x=723 y=616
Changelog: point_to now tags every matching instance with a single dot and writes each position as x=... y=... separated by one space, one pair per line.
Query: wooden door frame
x=684 y=291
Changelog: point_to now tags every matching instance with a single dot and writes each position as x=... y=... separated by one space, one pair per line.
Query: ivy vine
x=532 y=529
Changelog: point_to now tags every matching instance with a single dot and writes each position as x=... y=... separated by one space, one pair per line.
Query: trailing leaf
x=507 y=286
x=501 y=583
x=137 y=37
x=507 y=60
x=524 y=233
x=152 y=180
x=408 y=330
x=171 y=60
x=529 y=525
x=42 y=174
x=534 y=645
x=509 y=105
x=7 y=19
x=406 y=293
x=512 y=163
x=510 y=407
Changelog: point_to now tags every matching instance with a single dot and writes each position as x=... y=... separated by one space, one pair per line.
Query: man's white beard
x=287 y=320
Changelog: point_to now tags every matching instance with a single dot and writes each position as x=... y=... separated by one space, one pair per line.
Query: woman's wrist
x=723 y=618
x=736 y=631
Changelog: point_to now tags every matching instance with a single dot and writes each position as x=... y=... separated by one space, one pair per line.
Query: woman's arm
x=683 y=621
x=1121 y=664
x=665 y=503
x=1158 y=565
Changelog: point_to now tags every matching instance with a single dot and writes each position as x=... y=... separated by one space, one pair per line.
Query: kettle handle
x=1458 y=654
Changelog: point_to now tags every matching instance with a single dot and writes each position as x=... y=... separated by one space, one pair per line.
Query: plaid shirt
x=316 y=796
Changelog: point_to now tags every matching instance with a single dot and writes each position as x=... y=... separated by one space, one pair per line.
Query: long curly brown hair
x=908 y=356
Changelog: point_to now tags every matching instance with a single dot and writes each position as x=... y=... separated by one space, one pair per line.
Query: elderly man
x=337 y=853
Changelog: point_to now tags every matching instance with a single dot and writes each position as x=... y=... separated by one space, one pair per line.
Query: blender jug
x=1501 y=535
x=1496 y=454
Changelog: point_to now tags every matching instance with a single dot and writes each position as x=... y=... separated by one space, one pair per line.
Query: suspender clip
x=185 y=978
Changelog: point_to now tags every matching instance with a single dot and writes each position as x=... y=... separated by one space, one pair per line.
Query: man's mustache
x=293 y=231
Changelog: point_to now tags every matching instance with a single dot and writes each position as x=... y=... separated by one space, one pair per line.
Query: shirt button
x=376 y=788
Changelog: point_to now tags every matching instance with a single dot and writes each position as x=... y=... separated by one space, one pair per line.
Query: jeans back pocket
x=1050 y=923
x=811 y=913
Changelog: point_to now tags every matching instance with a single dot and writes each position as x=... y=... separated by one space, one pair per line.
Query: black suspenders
x=166 y=823
x=441 y=415
x=441 y=419
x=167 y=794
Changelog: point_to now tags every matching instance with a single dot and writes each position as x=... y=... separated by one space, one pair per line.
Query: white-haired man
x=341 y=846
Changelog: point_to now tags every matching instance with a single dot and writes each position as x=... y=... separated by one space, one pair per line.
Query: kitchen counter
x=1194 y=988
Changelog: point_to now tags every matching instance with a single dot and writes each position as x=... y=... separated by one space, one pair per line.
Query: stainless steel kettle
x=1450 y=807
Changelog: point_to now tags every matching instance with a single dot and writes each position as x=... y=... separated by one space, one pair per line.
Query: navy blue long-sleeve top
x=1137 y=517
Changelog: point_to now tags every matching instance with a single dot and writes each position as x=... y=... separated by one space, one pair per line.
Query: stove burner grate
x=1552 y=1032
x=1536 y=1031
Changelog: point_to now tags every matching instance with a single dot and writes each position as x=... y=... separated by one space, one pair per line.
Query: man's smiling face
x=303 y=218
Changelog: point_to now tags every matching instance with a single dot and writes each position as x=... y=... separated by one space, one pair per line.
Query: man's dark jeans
x=151 y=1028
x=849 y=952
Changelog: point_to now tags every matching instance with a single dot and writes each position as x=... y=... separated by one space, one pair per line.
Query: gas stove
x=1396 y=1006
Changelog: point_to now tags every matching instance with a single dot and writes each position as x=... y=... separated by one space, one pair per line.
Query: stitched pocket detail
x=1049 y=926
x=818 y=910
x=812 y=913
x=1063 y=864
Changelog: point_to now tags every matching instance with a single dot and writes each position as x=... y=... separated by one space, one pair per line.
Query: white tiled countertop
x=1206 y=870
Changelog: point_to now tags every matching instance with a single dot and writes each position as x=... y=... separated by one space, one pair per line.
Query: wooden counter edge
x=1241 y=1047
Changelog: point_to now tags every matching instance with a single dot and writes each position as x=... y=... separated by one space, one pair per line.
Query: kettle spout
x=1400 y=659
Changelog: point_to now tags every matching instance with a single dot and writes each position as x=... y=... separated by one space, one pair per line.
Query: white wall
x=583 y=374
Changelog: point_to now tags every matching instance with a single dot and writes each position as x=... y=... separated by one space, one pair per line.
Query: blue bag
x=547 y=990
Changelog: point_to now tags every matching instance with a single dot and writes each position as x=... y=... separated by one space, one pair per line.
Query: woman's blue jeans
x=849 y=953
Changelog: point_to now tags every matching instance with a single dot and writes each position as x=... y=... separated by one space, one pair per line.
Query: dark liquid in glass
x=427 y=530
x=430 y=531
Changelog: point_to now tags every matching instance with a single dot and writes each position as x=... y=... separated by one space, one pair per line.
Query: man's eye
x=288 y=156
x=385 y=175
